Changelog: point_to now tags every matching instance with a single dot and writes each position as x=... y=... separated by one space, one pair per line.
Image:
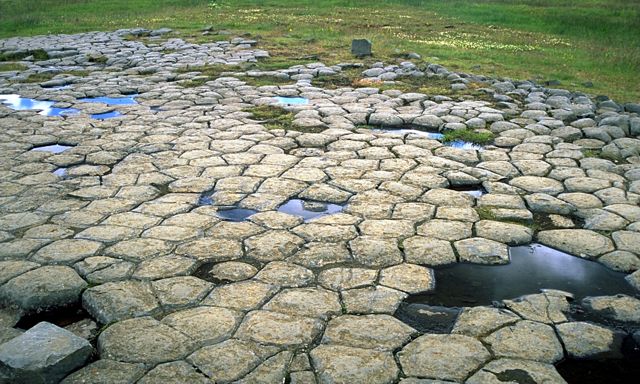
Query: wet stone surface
x=147 y=211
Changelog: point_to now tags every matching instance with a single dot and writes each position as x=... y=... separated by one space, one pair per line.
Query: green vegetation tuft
x=6 y=67
x=46 y=76
x=469 y=135
x=98 y=59
x=486 y=213
x=38 y=54
x=272 y=117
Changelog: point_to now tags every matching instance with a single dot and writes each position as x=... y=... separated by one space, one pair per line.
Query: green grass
x=469 y=135
x=573 y=41
x=38 y=54
x=5 y=67
x=212 y=72
x=46 y=76
x=273 y=117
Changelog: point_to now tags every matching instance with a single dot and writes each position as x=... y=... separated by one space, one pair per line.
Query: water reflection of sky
x=111 y=100
x=406 y=131
x=25 y=104
x=292 y=100
x=307 y=210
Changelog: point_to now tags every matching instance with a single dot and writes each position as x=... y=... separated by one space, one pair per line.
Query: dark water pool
x=235 y=214
x=473 y=190
x=531 y=269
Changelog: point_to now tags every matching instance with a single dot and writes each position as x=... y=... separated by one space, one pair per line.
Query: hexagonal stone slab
x=508 y=233
x=427 y=251
x=375 y=252
x=375 y=299
x=44 y=287
x=245 y=295
x=443 y=357
x=176 y=372
x=278 y=328
x=106 y=372
x=408 y=278
x=578 y=242
x=526 y=340
x=211 y=250
x=229 y=360
x=338 y=279
x=536 y=184
x=273 y=245
x=341 y=364
x=67 y=251
x=369 y=331
x=585 y=340
x=205 y=325
x=311 y=302
x=285 y=274
x=273 y=370
x=619 y=307
x=143 y=340
x=482 y=251
x=480 y=321
x=120 y=300
x=175 y=292
x=138 y=250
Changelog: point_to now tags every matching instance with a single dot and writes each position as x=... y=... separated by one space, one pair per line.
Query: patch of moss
x=98 y=59
x=486 y=213
x=273 y=117
x=594 y=153
x=345 y=78
x=6 y=67
x=38 y=55
x=469 y=135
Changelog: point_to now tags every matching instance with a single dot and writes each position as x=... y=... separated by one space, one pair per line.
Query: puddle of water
x=464 y=145
x=235 y=214
x=309 y=210
x=62 y=172
x=111 y=100
x=610 y=371
x=473 y=190
x=531 y=269
x=426 y=318
x=407 y=131
x=59 y=316
x=106 y=115
x=57 y=87
x=56 y=148
x=292 y=100
x=25 y=104
x=204 y=272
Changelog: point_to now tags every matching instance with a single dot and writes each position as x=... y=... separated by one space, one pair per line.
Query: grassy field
x=573 y=41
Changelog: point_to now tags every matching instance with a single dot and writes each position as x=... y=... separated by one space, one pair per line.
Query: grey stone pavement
x=175 y=293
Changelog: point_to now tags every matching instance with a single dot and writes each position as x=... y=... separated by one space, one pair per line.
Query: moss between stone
x=5 y=67
x=273 y=117
x=469 y=135
x=38 y=55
